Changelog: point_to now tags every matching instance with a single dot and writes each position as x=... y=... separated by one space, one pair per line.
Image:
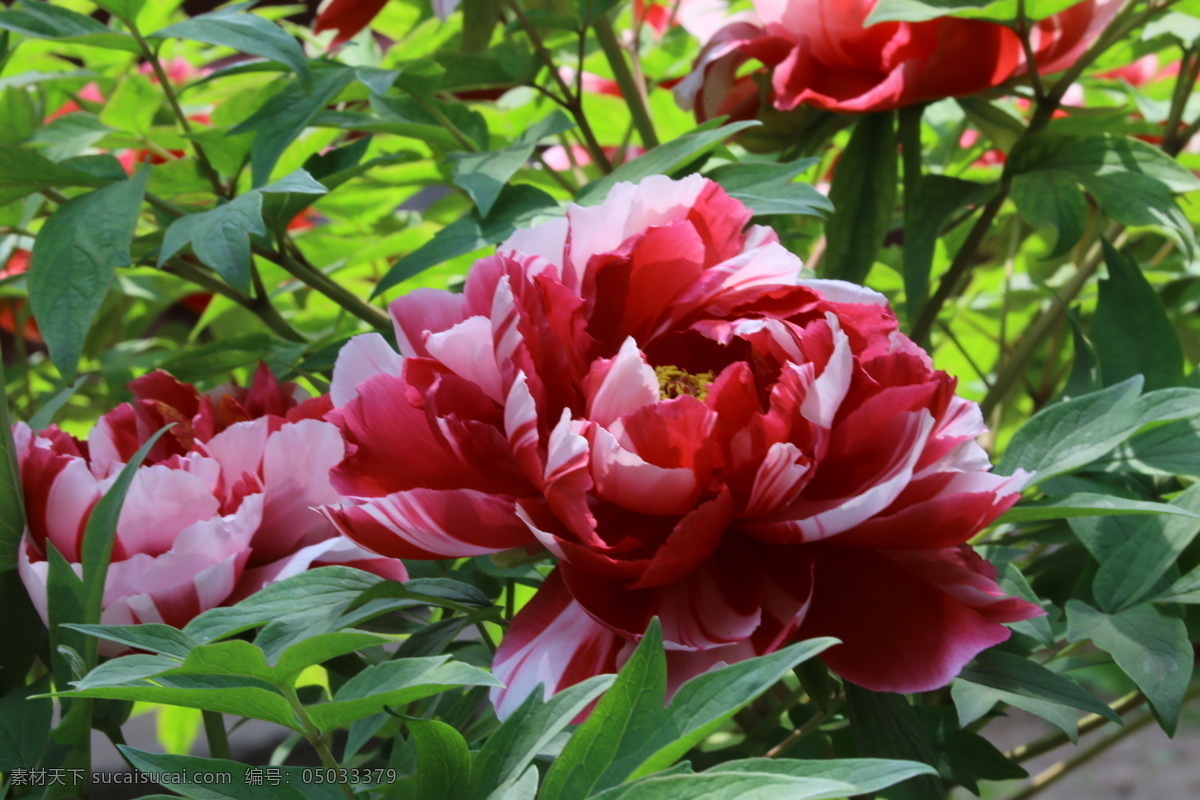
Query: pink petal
x=622 y=478
x=423 y=311
x=619 y=385
x=429 y=523
x=552 y=642
x=359 y=359
x=296 y=466
x=466 y=348
x=336 y=550
x=161 y=503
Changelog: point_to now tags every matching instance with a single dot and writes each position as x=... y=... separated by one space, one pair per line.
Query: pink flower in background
x=220 y=508
x=818 y=53
x=647 y=390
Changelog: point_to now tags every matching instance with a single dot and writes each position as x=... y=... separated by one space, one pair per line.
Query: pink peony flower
x=818 y=53
x=647 y=390
x=220 y=508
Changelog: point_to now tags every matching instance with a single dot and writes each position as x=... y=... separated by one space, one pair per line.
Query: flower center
x=674 y=382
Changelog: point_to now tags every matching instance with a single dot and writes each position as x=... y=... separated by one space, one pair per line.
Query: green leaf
x=612 y=732
x=1130 y=179
x=152 y=636
x=194 y=777
x=66 y=601
x=1130 y=328
x=286 y=114
x=324 y=590
x=1150 y=647
x=1171 y=449
x=708 y=701
x=24 y=171
x=1067 y=435
x=24 y=725
x=1012 y=673
x=132 y=107
x=1052 y=197
x=220 y=237
x=664 y=159
x=508 y=751
x=20 y=116
x=1134 y=568
x=41 y=20
x=866 y=775
x=12 y=501
x=1086 y=504
x=321 y=648
x=234 y=658
x=24 y=631
x=237 y=695
x=728 y=786
x=864 y=199
x=630 y=734
x=240 y=30
x=483 y=175
x=1185 y=590
x=517 y=206
x=921 y=10
x=126 y=670
x=973 y=701
x=126 y=10
x=407 y=116
x=1085 y=366
x=937 y=198
x=395 y=683
x=443 y=762
x=98 y=537
x=768 y=188
x=884 y=725
x=74 y=258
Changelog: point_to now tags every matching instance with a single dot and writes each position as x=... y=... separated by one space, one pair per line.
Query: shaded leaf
x=1150 y=647
x=864 y=199
x=73 y=261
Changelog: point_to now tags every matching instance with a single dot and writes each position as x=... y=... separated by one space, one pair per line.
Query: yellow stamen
x=674 y=382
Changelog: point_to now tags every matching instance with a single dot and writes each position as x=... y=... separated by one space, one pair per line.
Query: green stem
x=1024 y=29
x=296 y=264
x=1089 y=723
x=463 y=140
x=261 y=306
x=1053 y=774
x=804 y=730
x=635 y=93
x=214 y=730
x=1189 y=70
x=964 y=259
x=569 y=100
x=164 y=83
x=313 y=735
x=954 y=280
x=1037 y=331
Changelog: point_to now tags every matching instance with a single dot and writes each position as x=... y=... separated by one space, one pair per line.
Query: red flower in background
x=648 y=391
x=220 y=508
x=11 y=310
x=348 y=17
x=819 y=53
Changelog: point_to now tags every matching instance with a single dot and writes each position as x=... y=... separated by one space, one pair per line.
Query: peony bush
x=553 y=401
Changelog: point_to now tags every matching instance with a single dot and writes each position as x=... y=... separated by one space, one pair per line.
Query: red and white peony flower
x=221 y=507
x=648 y=390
